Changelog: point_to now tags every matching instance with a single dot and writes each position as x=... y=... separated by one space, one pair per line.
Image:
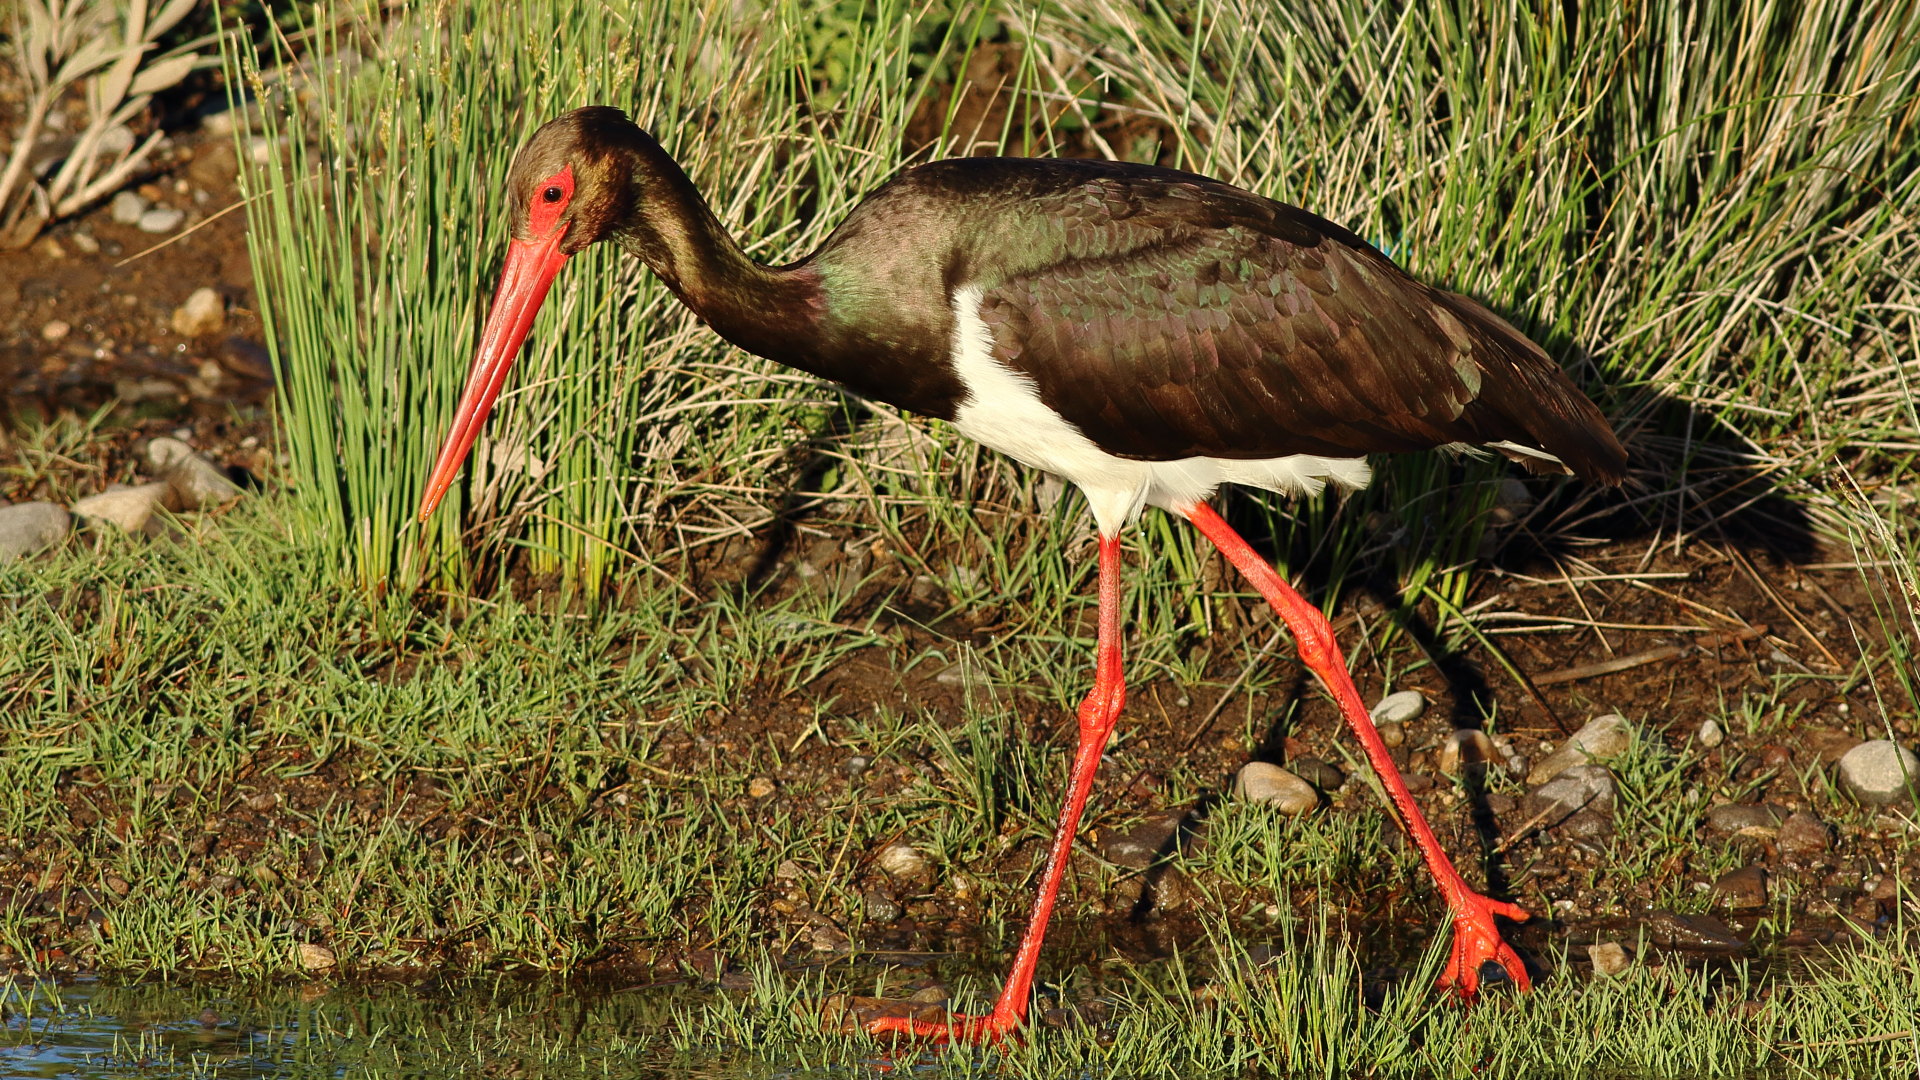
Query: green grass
x=1712 y=220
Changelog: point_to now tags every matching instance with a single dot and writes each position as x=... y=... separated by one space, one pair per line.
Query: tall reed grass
x=1707 y=211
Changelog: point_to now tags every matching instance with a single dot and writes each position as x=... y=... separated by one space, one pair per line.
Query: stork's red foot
x=1476 y=940
x=991 y=1029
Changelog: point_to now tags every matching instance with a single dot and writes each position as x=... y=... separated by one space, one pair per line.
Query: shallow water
x=94 y=1028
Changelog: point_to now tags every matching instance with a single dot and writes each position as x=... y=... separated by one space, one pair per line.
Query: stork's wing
x=1239 y=327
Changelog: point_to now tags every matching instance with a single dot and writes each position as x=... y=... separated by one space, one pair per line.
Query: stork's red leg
x=1097 y=716
x=1475 y=937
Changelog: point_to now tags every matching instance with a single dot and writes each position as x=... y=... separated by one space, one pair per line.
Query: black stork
x=1146 y=333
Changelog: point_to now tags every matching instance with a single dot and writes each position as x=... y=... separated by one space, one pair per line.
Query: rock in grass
x=1583 y=787
x=879 y=907
x=130 y=508
x=1323 y=775
x=310 y=957
x=901 y=860
x=1880 y=773
x=1743 y=889
x=1599 y=739
x=204 y=314
x=27 y=527
x=1400 y=707
x=1804 y=834
x=1138 y=847
x=1262 y=782
x=1737 y=819
x=196 y=482
x=1710 y=733
x=161 y=219
x=127 y=208
x=1609 y=958
x=1463 y=748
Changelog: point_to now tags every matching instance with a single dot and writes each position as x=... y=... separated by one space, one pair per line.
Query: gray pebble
x=196 y=482
x=1400 y=707
x=1880 y=773
x=128 y=507
x=127 y=208
x=27 y=527
x=161 y=219
x=1710 y=733
x=880 y=907
x=1583 y=787
x=1600 y=739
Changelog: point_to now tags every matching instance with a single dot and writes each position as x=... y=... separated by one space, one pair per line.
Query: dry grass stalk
x=104 y=50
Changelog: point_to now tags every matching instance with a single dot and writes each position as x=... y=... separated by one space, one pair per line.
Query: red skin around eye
x=540 y=220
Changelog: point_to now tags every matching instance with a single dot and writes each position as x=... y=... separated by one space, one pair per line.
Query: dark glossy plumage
x=1167 y=315
x=1164 y=314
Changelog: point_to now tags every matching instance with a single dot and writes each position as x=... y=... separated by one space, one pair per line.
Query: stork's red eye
x=553 y=194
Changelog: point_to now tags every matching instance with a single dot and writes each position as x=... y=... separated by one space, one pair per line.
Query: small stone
x=203 y=315
x=128 y=507
x=116 y=141
x=49 y=248
x=1710 y=734
x=127 y=208
x=1734 y=819
x=196 y=482
x=1582 y=787
x=1586 y=825
x=1138 y=847
x=879 y=907
x=84 y=243
x=1320 y=774
x=263 y=802
x=1609 y=958
x=856 y=765
x=788 y=870
x=760 y=787
x=1463 y=748
x=310 y=957
x=1262 y=782
x=56 y=329
x=1393 y=734
x=1804 y=834
x=901 y=860
x=1880 y=772
x=161 y=219
x=28 y=527
x=1600 y=739
x=1742 y=889
x=967 y=674
x=1400 y=707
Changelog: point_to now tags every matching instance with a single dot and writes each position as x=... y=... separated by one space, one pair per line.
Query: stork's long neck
x=774 y=312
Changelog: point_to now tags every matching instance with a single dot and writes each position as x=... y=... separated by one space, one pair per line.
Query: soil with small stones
x=89 y=322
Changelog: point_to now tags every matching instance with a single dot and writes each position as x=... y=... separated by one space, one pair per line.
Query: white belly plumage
x=1003 y=411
